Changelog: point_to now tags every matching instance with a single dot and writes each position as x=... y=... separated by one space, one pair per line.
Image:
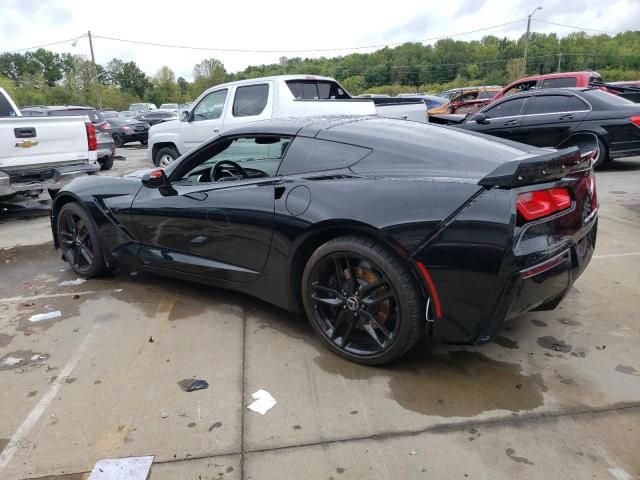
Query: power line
x=572 y=26
x=312 y=50
x=47 y=44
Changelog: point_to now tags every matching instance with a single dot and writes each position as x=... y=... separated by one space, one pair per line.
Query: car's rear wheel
x=362 y=300
x=602 y=156
x=106 y=163
x=79 y=241
x=117 y=140
x=165 y=156
x=144 y=142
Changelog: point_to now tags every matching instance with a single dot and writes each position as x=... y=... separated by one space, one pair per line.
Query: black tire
x=117 y=140
x=405 y=309
x=162 y=157
x=85 y=239
x=106 y=163
x=603 y=155
x=144 y=142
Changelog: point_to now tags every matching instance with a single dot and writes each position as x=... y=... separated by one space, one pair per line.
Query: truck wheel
x=165 y=156
x=106 y=163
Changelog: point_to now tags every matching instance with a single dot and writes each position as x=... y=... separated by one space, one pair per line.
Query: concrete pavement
x=557 y=395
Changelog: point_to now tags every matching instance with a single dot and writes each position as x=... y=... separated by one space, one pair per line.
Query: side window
x=258 y=156
x=6 y=110
x=313 y=155
x=560 y=82
x=250 y=100
x=468 y=97
x=554 y=104
x=485 y=94
x=521 y=87
x=509 y=108
x=211 y=106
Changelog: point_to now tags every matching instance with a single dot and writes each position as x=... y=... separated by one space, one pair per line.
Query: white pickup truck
x=232 y=104
x=42 y=153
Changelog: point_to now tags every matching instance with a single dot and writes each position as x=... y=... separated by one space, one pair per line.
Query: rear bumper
x=34 y=180
x=543 y=285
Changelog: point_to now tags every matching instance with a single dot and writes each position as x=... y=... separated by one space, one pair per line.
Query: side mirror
x=481 y=118
x=158 y=179
x=184 y=116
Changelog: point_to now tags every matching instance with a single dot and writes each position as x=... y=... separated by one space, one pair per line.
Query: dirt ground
x=556 y=396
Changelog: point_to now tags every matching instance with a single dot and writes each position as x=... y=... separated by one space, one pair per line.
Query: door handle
x=216 y=130
x=24 y=132
x=510 y=122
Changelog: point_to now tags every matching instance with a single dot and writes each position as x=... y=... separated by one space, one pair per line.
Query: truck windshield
x=316 y=90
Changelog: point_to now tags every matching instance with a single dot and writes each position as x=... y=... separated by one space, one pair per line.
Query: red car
x=552 y=80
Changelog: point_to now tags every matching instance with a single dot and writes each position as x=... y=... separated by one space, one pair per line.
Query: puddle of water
x=27 y=358
x=5 y=339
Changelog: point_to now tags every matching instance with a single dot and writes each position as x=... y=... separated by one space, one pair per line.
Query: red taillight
x=540 y=203
x=635 y=120
x=125 y=128
x=105 y=126
x=92 y=141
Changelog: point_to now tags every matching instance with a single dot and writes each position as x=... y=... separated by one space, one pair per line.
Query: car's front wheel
x=362 y=300
x=79 y=241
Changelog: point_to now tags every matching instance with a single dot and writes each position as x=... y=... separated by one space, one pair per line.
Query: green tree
x=206 y=74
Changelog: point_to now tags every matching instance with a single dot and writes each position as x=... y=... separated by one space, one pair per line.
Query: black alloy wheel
x=78 y=239
x=362 y=301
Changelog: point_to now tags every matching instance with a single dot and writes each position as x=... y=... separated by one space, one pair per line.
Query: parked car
x=232 y=104
x=44 y=153
x=171 y=107
x=126 y=130
x=431 y=101
x=142 y=107
x=157 y=116
x=552 y=117
x=551 y=80
x=107 y=114
x=105 y=149
x=306 y=214
x=129 y=113
x=464 y=100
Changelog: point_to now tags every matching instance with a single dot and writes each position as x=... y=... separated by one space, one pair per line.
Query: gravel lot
x=556 y=396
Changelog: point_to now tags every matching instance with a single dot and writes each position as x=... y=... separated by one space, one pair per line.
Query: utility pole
x=526 y=41
x=95 y=71
x=559 y=62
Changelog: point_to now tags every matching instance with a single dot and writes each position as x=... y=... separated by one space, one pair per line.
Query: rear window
x=250 y=100
x=609 y=98
x=316 y=90
x=6 y=110
x=312 y=155
x=566 y=82
x=94 y=115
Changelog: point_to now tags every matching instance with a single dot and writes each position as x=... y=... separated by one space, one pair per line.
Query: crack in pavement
x=447 y=427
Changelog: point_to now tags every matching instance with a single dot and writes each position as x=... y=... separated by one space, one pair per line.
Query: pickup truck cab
x=552 y=80
x=237 y=103
x=42 y=153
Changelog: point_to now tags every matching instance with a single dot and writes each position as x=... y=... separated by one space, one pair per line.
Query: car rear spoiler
x=539 y=169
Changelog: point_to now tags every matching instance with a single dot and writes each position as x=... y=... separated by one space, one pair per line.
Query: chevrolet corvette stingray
x=382 y=231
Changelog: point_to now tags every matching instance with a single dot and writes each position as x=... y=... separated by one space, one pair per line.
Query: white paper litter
x=131 y=468
x=71 y=283
x=45 y=316
x=264 y=402
x=12 y=361
x=37 y=357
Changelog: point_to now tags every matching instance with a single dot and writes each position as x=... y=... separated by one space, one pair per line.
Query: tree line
x=44 y=77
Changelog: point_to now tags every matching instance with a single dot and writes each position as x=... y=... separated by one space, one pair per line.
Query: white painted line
x=27 y=298
x=35 y=414
x=619 y=474
x=615 y=255
x=129 y=468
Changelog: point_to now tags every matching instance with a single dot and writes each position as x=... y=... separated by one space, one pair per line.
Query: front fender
x=158 y=135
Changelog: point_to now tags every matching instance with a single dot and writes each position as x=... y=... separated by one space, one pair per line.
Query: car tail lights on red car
x=541 y=203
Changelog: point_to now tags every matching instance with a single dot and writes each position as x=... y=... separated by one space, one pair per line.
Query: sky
x=282 y=25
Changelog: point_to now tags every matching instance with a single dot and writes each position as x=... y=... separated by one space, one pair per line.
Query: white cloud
x=253 y=24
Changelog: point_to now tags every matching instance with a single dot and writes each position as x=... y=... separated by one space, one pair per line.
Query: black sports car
x=551 y=117
x=127 y=130
x=378 y=229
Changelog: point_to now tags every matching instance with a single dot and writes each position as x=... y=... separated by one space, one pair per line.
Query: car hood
x=164 y=126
